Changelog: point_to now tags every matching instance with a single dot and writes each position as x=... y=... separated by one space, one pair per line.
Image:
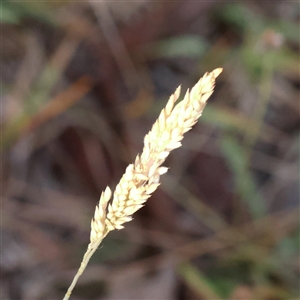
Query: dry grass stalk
x=141 y=178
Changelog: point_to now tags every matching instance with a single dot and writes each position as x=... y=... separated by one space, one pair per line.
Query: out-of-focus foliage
x=15 y=12
x=190 y=46
x=82 y=82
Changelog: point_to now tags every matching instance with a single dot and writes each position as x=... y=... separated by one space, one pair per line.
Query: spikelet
x=141 y=178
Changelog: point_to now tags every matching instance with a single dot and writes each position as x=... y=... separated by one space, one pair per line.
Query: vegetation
x=81 y=84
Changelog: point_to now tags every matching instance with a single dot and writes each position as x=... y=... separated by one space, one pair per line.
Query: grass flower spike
x=142 y=177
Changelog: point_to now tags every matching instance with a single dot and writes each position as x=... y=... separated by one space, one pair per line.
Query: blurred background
x=82 y=83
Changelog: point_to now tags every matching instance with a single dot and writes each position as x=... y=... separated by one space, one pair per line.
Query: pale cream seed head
x=141 y=179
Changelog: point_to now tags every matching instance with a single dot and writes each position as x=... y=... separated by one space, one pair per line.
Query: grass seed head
x=141 y=179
